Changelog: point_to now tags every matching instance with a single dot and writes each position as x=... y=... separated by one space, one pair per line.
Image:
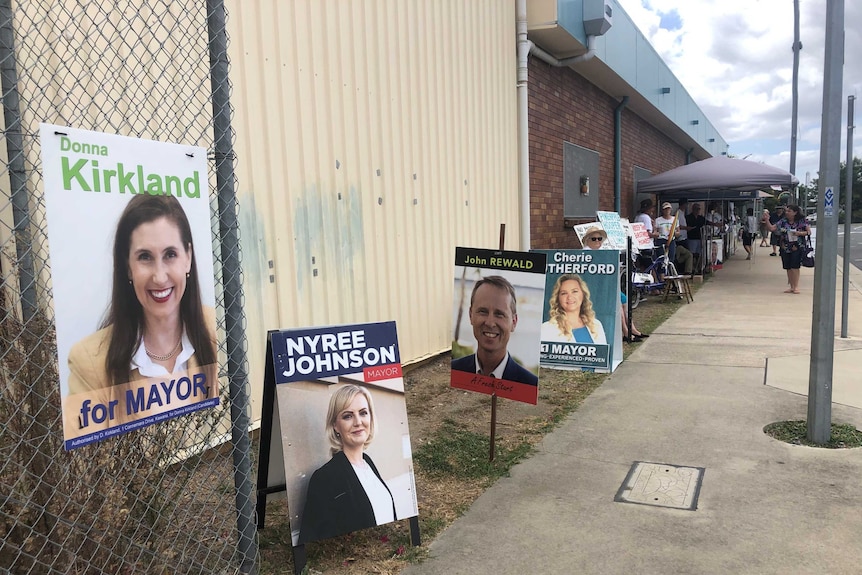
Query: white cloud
x=735 y=58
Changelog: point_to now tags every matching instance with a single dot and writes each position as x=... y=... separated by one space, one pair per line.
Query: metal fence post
x=162 y=497
x=17 y=170
x=229 y=232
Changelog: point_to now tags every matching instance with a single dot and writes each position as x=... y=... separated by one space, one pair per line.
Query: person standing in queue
x=682 y=224
x=594 y=239
x=764 y=232
x=675 y=252
x=644 y=216
x=696 y=223
x=749 y=230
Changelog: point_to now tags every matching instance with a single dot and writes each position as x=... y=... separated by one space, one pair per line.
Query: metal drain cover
x=662 y=485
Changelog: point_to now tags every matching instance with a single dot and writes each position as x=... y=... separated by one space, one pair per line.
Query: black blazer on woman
x=336 y=503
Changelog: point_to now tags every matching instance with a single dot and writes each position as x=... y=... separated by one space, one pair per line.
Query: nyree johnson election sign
x=310 y=365
x=315 y=353
x=90 y=178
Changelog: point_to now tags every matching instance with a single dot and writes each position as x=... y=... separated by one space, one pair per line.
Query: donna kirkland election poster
x=497 y=311
x=132 y=271
x=343 y=422
x=581 y=327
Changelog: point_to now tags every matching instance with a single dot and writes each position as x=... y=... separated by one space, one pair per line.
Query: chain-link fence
x=175 y=497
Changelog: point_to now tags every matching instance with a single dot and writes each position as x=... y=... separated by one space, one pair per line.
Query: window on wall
x=580 y=181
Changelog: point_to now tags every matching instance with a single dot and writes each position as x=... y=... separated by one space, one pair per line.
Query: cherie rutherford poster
x=343 y=419
x=581 y=327
x=131 y=265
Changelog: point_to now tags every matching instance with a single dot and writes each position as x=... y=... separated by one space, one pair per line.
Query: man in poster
x=496 y=320
x=494 y=316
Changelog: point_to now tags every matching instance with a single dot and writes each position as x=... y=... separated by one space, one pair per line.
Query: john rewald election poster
x=348 y=463
x=496 y=313
x=131 y=264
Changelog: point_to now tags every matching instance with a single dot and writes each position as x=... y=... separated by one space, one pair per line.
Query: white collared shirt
x=497 y=372
x=148 y=368
x=378 y=494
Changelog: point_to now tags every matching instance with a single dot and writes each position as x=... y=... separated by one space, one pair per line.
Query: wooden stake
x=494 y=395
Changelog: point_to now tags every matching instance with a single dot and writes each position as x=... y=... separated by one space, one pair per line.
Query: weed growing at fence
x=104 y=507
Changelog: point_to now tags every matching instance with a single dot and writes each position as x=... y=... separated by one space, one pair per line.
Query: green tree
x=856 y=204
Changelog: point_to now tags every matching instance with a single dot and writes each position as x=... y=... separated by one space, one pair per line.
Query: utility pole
x=797 y=46
x=823 y=321
x=848 y=216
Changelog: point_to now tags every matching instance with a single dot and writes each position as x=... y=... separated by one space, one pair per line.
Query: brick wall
x=565 y=107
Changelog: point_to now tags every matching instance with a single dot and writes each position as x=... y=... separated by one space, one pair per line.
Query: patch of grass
x=451 y=463
x=459 y=350
x=565 y=390
x=842 y=436
x=464 y=454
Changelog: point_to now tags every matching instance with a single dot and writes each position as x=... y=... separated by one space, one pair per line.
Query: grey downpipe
x=618 y=152
x=848 y=217
x=545 y=57
x=524 y=47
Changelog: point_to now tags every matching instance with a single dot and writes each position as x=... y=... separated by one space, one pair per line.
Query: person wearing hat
x=774 y=238
x=594 y=238
x=663 y=225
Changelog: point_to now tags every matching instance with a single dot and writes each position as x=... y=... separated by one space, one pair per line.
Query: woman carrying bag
x=793 y=232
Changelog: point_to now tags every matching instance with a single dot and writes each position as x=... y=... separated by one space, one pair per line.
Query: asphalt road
x=855 y=243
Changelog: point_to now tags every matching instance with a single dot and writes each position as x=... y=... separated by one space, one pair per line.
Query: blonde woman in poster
x=572 y=319
x=156 y=324
x=347 y=493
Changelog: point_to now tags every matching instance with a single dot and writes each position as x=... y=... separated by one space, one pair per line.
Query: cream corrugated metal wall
x=372 y=138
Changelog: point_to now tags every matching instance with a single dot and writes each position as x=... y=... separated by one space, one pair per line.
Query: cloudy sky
x=735 y=59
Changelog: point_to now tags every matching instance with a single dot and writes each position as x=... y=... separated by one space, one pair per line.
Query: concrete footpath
x=692 y=399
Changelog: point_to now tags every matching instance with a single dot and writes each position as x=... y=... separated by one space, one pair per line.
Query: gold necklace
x=167 y=356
